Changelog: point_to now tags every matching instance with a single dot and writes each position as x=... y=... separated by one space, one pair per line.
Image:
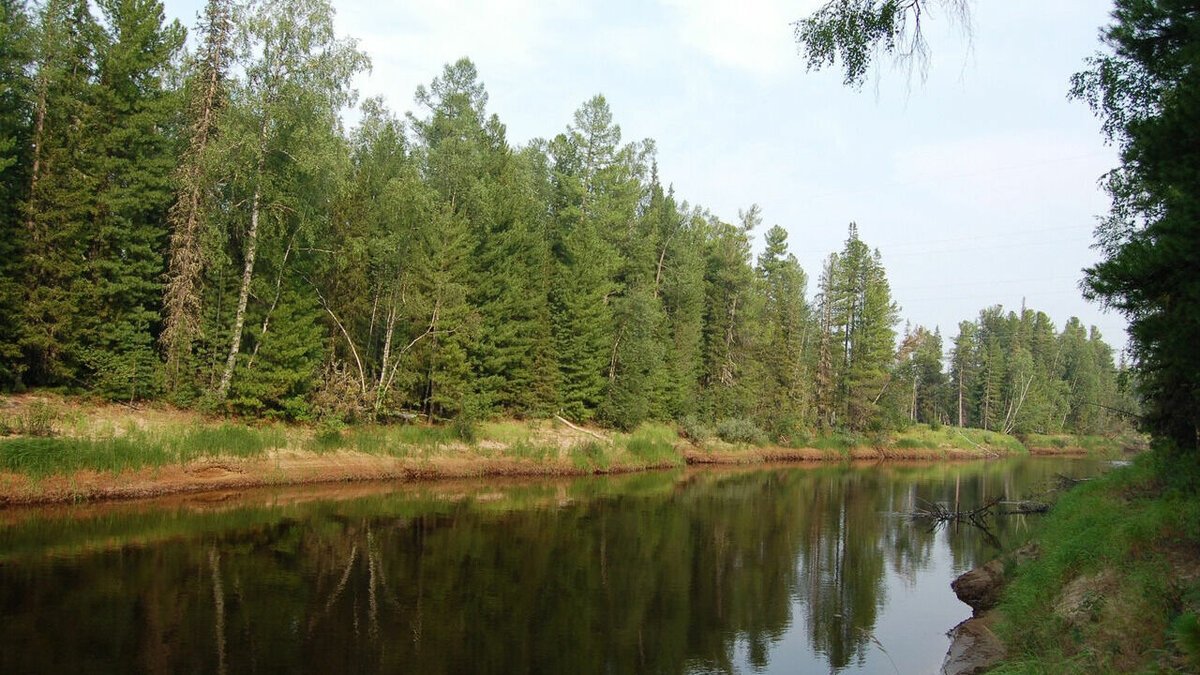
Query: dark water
x=780 y=570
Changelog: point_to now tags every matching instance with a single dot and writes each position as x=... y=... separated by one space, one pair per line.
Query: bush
x=739 y=430
x=38 y=419
x=691 y=428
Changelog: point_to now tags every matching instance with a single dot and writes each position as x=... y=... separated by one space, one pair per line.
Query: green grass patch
x=229 y=440
x=41 y=457
x=906 y=443
x=524 y=449
x=653 y=444
x=1106 y=593
x=589 y=455
x=838 y=442
x=395 y=441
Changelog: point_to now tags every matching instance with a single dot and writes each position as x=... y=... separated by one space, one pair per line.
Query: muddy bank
x=974 y=646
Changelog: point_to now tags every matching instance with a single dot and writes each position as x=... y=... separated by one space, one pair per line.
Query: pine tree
x=860 y=315
x=785 y=394
x=1147 y=90
x=596 y=193
x=730 y=319
x=16 y=93
x=963 y=375
x=681 y=289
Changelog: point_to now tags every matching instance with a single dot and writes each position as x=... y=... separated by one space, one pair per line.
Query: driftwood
x=1066 y=482
x=1027 y=506
x=580 y=429
x=940 y=514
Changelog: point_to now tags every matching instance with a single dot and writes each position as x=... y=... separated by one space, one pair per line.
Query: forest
x=200 y=227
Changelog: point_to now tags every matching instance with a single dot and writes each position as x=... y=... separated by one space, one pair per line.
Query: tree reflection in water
x=767 y=569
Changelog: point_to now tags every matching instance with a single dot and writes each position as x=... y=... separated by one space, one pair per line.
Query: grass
x=653 y=444
x=40 y=457
x=1117 y=584
x=1101 y=446
x=47 y=435
x=838 y=442
x=135 y=449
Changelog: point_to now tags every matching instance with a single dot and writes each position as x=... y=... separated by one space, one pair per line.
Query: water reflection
x=776 y=570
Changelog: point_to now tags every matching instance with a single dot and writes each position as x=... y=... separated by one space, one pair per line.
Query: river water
x=791 y=569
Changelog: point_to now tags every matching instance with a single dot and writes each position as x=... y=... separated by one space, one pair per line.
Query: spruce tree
x=730 y=319
x=16 y=94
x=859 y=315
x=785 y=395
x=54 y=334
x=596 y=193
x=134 y=158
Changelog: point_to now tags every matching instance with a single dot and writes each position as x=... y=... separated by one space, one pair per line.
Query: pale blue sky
x=978 y=185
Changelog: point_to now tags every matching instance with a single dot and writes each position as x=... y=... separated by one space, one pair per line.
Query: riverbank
x=1114 y=585
x=54 y=449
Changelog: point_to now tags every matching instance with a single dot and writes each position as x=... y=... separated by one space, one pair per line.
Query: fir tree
x=16 y=93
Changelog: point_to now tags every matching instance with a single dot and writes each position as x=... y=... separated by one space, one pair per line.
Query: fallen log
x=593 y=434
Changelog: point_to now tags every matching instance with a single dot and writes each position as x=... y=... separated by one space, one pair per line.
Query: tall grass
x=653 y=444
x=135 y=449
x=40 y=457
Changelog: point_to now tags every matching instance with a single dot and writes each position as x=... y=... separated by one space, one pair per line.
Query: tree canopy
x=200 y=228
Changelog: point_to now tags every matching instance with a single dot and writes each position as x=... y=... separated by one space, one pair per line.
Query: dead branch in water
x=1027 y=506
x=1066 y=482
x=940 y=514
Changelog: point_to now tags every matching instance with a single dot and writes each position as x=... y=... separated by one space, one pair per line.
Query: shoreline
x=290 y=468
x=95 y=452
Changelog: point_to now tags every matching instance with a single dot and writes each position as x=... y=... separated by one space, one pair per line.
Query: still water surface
x=775 y=570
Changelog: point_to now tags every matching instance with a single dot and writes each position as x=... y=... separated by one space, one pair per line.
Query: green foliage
x=1146 y=89
x=16 y=53
x=855 y=31
x=740 y=430
x=1120 y=527
x=691 y=428
x=426 y=267
x=1185 y=634
x=856 y=351
x=282 y=362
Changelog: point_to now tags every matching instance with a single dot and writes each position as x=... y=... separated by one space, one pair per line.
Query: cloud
x=753 y=36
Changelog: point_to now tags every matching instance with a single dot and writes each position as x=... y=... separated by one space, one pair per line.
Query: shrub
x=740 y=430
x=691 y=428
x=39 y=419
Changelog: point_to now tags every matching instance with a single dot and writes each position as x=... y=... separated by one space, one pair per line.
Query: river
x=790 y=569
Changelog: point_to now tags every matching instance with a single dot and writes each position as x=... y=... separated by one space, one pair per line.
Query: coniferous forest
x=201 y=228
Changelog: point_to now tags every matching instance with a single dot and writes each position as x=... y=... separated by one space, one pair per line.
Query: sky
x=978 y=183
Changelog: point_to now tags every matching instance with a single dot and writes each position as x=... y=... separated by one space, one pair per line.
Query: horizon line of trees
x=200 y=228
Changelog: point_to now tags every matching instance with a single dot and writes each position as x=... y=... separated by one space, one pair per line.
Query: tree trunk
x=239 y=321
x=182 y=301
